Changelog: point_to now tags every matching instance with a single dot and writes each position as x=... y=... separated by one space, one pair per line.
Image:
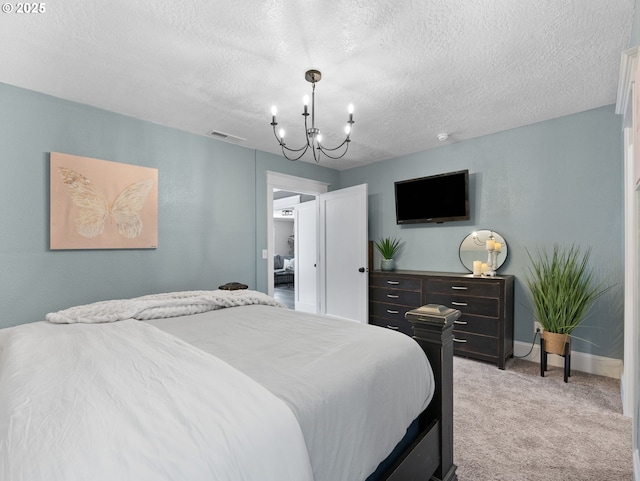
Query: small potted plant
x=388 y=247
x=563 y=289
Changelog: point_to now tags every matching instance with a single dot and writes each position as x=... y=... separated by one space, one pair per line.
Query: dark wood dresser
x=485 y=328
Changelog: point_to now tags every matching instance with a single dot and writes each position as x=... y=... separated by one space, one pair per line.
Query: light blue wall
x=212 y=215
x=559 y=180
x=555 y=181
x=635 y=26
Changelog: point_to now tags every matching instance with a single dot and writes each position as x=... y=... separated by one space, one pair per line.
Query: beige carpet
x=514 y=425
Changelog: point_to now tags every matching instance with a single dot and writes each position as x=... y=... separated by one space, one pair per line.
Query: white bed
x=230 y=387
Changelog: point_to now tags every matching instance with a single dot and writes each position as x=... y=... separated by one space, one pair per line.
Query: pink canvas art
x=99 y=204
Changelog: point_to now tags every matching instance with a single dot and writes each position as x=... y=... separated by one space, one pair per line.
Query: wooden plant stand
x=566 y=354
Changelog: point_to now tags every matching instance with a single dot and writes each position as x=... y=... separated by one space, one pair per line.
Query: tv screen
x=437 y=198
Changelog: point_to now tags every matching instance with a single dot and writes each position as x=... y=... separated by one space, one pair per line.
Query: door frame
x=277 y=180
x=626 y=106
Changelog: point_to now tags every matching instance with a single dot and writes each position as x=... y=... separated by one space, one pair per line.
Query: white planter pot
x=387 y=265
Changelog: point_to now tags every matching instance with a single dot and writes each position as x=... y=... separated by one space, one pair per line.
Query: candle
x=484 y=268
x=477 y=268
x=497 y=246
x=490 y=244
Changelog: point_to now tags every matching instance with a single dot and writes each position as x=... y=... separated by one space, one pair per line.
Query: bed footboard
x=421 y=458
x=434 y=446
x=429 y=457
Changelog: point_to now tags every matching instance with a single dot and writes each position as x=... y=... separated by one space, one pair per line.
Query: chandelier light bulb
x=347 y=129
x=305 y=100
x=281 y=133
x=349 y=109
x=274 y=110
x=319 y=138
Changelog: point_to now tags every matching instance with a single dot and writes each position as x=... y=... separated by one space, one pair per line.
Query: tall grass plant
x=563 y=287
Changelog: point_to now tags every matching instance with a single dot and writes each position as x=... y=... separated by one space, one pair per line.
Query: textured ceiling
x=412 y=69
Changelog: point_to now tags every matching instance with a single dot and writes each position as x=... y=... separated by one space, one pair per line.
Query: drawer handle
x=390 y=311
x=458 y=303
x=459 y=340
x=460 y=288
x=393 y=283
x=395 y=328
x=392 y=296
x=464 y=323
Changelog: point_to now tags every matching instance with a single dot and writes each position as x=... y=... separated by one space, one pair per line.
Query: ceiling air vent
x=226 y=137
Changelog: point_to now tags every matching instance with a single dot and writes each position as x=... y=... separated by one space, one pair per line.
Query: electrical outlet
x=537 y=326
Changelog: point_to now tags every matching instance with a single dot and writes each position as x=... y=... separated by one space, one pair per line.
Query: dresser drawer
x=395 y=296
x=389 y=311
x=396 y=324
x=396 y=282
x=477 y=325
x=464 y=342
x=479 y=306
x=467 y=287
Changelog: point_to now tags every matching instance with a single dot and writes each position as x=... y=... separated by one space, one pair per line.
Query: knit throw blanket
x=157 y=306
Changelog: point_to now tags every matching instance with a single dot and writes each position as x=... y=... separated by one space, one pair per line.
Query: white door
x=343 y=253
x=306 y=248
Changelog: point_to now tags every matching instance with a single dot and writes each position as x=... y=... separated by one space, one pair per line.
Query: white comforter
x=126 y=401
x=354 y=388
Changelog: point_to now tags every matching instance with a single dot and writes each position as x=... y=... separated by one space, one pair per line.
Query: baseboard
x=636 y=466
x=580 y=361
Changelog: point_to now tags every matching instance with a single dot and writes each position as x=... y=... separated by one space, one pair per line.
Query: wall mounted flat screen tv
x=437 y=198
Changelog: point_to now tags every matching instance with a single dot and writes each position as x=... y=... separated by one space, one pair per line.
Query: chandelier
x=313 y=136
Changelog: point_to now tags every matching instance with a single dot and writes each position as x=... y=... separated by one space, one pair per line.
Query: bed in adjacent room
x=216 y=385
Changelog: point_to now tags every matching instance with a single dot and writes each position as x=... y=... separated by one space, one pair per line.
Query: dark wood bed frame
x=430 y=456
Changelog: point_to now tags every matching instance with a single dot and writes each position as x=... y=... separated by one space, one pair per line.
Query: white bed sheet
x=354 y=388
x=126 y=401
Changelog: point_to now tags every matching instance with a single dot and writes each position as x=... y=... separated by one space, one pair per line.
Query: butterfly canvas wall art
x=99 y=204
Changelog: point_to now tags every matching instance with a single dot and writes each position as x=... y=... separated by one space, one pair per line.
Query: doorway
x=340 y=270
x=297 y=186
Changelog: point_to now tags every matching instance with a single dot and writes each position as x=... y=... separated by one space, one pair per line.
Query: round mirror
x=474 y=248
